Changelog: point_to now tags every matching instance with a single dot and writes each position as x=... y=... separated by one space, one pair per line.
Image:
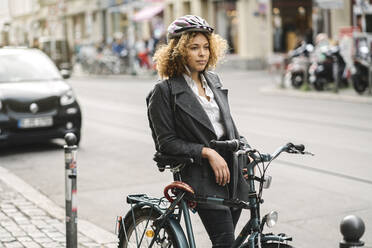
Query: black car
x=36 y=104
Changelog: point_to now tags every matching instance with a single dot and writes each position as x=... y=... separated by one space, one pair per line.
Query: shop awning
x=148 y=12
x=330 y=4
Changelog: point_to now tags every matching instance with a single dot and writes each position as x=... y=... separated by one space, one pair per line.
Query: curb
x=90 y=230
x=270 y=90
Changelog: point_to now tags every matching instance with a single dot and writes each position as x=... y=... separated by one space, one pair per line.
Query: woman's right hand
x=218 y=164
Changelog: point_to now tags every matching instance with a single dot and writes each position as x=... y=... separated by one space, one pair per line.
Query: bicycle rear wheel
x=138 y=230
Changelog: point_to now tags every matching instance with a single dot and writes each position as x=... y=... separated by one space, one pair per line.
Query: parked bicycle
x=155 y=222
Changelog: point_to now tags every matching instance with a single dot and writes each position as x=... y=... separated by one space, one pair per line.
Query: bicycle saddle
x=163 y=160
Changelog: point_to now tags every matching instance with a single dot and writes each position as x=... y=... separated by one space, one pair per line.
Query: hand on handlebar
x=218 y=164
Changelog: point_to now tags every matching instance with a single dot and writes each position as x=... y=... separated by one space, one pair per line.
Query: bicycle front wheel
x=138 y=231
x=276 y=245
x=269 y=245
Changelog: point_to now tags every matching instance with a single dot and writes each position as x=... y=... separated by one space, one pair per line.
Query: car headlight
x=67 y=98
x=271 y=218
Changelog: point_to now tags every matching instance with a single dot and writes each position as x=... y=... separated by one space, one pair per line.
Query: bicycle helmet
x=187 y=23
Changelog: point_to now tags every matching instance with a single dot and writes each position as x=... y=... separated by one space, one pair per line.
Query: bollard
x=70 y=190
x=352 y=229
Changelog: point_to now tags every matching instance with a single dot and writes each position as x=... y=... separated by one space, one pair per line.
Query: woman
x=187 y=110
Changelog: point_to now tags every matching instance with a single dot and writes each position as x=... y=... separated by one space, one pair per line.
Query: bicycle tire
x=141 y=216
x=276 y=245
x=269 y=245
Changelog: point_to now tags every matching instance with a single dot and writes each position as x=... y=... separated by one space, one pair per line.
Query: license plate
x=35 y=122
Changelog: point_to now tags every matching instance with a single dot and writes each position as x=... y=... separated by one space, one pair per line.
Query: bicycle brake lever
x=308 y=153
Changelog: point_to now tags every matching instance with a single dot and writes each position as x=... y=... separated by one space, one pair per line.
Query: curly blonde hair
x=171 y=58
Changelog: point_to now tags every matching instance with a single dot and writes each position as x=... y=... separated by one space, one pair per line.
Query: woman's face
x=197 y=55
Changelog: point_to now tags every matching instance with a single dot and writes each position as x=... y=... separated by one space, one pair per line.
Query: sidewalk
x=346 y=95
x=29 y=219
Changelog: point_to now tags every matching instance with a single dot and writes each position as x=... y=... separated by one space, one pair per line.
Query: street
x=311 y=193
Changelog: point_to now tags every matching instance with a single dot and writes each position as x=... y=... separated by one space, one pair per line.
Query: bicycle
x=154 y=222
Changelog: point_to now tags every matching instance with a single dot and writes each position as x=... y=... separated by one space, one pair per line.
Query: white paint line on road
x=90 y=230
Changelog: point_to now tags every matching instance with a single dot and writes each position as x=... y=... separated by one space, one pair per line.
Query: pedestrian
x=187 y=109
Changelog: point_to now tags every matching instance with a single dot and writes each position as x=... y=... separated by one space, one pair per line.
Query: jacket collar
x=191 y=105
x=179 y=84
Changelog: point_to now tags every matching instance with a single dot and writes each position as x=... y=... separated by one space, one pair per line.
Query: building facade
x=254 y=29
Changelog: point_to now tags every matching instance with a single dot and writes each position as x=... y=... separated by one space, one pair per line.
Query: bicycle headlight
x=67 y=98
x=271 y=218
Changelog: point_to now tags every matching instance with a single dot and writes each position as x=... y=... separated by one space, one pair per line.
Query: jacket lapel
x=220 y=95
x=188 y=102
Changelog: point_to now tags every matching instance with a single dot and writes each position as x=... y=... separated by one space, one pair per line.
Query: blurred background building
x=254 y=29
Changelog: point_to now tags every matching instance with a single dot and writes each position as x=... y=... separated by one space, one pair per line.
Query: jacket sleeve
x=161 y=116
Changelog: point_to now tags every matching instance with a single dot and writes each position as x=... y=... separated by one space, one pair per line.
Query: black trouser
x=220 y=225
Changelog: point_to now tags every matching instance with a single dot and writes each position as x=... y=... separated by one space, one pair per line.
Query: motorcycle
x=359 y=76
x=328 y=68
x=299 y=64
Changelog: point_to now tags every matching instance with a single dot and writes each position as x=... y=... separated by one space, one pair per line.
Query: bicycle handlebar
x=239 y=148
x=230 y=145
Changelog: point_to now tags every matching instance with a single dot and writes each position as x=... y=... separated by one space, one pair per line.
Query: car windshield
x=26 y=65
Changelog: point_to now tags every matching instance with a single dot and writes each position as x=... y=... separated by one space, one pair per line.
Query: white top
x=210 y=107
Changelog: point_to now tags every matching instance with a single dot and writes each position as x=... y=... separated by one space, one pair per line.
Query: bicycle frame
x=252 y=229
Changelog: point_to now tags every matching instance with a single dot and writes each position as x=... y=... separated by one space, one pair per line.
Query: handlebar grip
x=230 y=145
x=300 y=147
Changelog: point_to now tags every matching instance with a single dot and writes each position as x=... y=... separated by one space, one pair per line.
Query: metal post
x=131 y=39
x=370 y=75
x=70 y=190
x=335 y=73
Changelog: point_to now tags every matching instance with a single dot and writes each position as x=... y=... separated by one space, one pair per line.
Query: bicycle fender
x=172 y=223
x=140 y=205
x=179 y=235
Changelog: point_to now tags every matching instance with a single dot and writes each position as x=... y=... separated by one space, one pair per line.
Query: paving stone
x=54 y=235
x=113 y=245
x=24 y=239
x=23 y=224
x=43 y=240
x=37 y=234
x=19 y=234
x=84 y=239
x=15 y=244
x=59 y=238
x=6 y=239
x=91 y=245
x=31 y=244
x=7 y=223
x=51 y=245
x=29 y=228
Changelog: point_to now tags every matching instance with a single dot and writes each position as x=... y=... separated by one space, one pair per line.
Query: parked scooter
x=359 y=76
x=299 y=64
x=328 y=68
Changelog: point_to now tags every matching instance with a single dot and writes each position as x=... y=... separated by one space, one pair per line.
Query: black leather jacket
x=181 y=127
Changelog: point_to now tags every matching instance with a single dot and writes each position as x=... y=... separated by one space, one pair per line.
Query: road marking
x=340 y=175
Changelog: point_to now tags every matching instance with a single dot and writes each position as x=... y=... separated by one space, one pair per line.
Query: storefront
x=291 y=22
x=362 y=15
x=226 y=23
